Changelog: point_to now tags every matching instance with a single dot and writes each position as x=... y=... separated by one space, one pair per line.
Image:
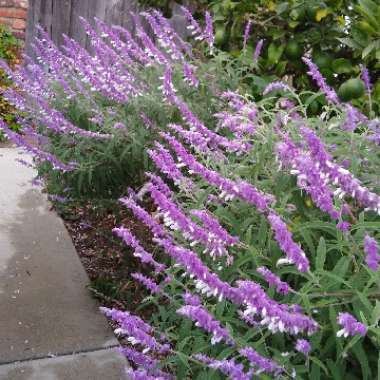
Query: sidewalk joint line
x=59 y=355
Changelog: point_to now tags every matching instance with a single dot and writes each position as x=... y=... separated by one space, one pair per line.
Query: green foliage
x=340 y=34
x=9 y=51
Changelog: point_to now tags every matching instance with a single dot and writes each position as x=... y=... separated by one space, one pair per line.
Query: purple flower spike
x=295 y=255
x=229 y=367
x=137 y=331
x=350 y=326
x=209 y=32
x=188 y=73
x=337 y=175
x=257 y=52
x=207 y=322
x=366 y=79
x=344 y=227
x=273 y=280
x=309 y=175
x=371 y=248
x=276 y=86
x=142 y=374
x=194 y=26
x=321 y=82
x=247 y=31
x=141 y=360
x=139 y=252
x=303 y=346
x=191 y=299
x=147 y=282
x=277 y=317
x=260 y=363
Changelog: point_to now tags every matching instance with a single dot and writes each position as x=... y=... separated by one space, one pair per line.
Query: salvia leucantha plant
x=265 y=222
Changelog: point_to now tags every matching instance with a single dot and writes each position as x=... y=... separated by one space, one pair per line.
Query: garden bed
x=107 y=261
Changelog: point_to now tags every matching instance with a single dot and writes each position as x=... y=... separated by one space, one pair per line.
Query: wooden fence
x=59 y=17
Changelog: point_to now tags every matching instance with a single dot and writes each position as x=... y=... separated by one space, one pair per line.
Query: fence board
x=62 y=16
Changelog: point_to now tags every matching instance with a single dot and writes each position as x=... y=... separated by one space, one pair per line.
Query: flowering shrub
x=266 y=219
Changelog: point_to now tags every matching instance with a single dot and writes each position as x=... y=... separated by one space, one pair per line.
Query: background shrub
x=9 y=51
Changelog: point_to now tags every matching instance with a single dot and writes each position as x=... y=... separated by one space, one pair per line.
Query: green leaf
x=342 y=66
x=350 y=43
x=362 y=358
x=321 y=254
x=375 y=316
x=368 y=50
x=274 y=53
x=319 y=364
x=322 y=13
x=336 y=371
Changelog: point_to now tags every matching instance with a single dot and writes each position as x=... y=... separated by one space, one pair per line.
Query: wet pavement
x=50 y=327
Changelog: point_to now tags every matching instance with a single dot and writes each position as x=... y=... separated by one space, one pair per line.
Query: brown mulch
x=107 y=261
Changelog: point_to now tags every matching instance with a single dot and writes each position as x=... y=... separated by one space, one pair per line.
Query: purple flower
x=141 y=360
x=193 y=138
x=57 y=198
x=309 y=176
x=303 y=346
x=160 y=184
x=273 y=280
x=337 y=175
x=321 y=82
x=164 y=38
x=228 y=367
x=175 y=219
x=194 y=26
x=295 y=255
x=147 y=282
x=343 y=226
x=371 y=249
x=207 y=322
x=277 y=317
x=139 y=252
x=229 y=189
x=350 y=122
x=209 y=137
x=188 y=73
x=165 y=162
x=247 y=31
x=214 y=227
x=366 y=79
x=208 y=32
x=276 y=86
x=173 y=35
x=350 y=326
x=191 y=299
x=119 y=125
x=205 y=280
x=141 y=214
x=260 y=363
x=138 y=332
x=240 y=122
x=257 y=52
x=142 y=374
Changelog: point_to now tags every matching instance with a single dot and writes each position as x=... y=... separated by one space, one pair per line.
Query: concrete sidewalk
x=50 y=327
